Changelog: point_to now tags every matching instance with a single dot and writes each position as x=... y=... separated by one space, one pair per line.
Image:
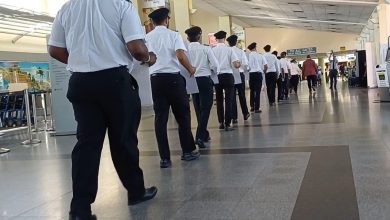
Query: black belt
x=165 y=74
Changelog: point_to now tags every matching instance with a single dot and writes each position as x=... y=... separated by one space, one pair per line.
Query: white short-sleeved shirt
x=272 y=62
x=164 y=43
x=225 y=57
x=295 y=69
x=242 y=57
x=95 y=33
x=333 y=63
x=285 y=65
x=203 y=59
x=256 y=62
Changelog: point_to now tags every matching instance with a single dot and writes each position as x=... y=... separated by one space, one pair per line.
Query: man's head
x=275 y=53
x=267 y=48
x=220 y=36
x=232 y=40
x=293 y=61
x=283 y=54
x=308 y=57
x=252 y=47
x=160 y=17
x=194 y=34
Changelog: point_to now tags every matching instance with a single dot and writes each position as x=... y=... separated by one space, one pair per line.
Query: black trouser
x=255 y=84
x=333 y=78
x=102 y=100
x=285 y=86
x=240 y=89
x=226 y=83
x=169 y=90
x=203 y=101
x=311 y=81
x=279 y=83
x=270 y=80
x=294 y=82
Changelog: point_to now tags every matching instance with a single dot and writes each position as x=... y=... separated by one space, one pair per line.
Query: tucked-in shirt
x=333 y=63
x=309 y=67
x=295 y=69
x=225 y=57
x=256 y=62
x=203 y=59
x=164 y=43
x=95 y=32
x=272 y=62
x=285 y=65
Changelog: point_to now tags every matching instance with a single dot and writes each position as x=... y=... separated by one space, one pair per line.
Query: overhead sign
x=343 y=48
x=153 y=3
x=302 y=51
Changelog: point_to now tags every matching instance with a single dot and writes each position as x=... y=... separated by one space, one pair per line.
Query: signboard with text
x=302 y=51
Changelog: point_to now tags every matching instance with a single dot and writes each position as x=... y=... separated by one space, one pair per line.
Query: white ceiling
x=345 y=16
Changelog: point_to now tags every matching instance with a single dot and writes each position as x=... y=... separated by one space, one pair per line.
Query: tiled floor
x=312 y=157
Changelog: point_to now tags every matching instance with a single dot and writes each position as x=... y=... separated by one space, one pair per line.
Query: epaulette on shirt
x=207 y=45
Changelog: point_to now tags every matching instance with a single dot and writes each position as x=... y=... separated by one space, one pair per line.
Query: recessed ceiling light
x=331 y=5
x=293 y=3
x=298 y=11
x=302 y=17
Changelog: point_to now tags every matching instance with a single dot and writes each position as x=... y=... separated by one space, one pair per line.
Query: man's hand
x=151 y=60
x=192 y=71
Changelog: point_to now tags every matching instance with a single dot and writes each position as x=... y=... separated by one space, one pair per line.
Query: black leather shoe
x=200 y=144
x=165 y=163
x=228 y=128
x=247 y=116
x=221 y=126
x=190 y=156
x=150 y=193
x=258 y=111
x=75 y=217
x=235 y=121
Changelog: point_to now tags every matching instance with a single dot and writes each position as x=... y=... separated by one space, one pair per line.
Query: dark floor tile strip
x=328 y=188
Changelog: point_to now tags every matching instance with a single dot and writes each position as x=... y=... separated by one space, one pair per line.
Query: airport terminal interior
x=319 y=154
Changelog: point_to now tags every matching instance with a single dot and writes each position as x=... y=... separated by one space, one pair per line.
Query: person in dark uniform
x=239 y=80
x=169 y=87
x=203 y=58
x=227 y=60
x=103 y=94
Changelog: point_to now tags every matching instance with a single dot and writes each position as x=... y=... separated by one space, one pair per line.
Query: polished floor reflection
x=322 y=156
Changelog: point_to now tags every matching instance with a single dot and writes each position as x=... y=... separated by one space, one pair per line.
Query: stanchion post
x=34 y=108
x=31 y=140
x=51 y=128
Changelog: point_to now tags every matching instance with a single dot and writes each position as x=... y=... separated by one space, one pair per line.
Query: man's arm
x=183 y=59
x=59 y=53
x=140 y=52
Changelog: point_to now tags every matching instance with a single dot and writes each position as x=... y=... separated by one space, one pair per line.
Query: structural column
x=180 y=15
x=225 y=24
x=384 y=28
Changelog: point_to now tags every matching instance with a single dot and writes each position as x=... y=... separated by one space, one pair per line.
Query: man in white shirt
x=257 y=66
x=333 y=64
x=203 y=59
x=169 y=87
x=98 y=39
x=295 y=73
x=239 y=80
x=271 y=74
x=227 y=60
x=285 y=68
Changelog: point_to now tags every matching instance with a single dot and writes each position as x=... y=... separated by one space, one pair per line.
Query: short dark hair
x=232 y=40
x=194 y=33
x=283 y=53
x=267 y=48
x=275 y=53
x=252 y=46
x=308 y=56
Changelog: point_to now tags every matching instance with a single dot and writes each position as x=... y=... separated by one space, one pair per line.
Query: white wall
x=208 y=21
x=285 y=38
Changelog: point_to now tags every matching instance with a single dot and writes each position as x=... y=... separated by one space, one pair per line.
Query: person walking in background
x=202 y=58
x=309 y=70
x=285 y=69
x=257 y=66
x=169 y=87
x=271 y=74
x=97 y=52
x=227 y=60
x=239 y=80
x=333 y=63
x=295 y=73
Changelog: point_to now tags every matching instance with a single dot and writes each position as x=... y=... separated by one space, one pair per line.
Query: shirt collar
x=160 y=27
x=194 y=43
